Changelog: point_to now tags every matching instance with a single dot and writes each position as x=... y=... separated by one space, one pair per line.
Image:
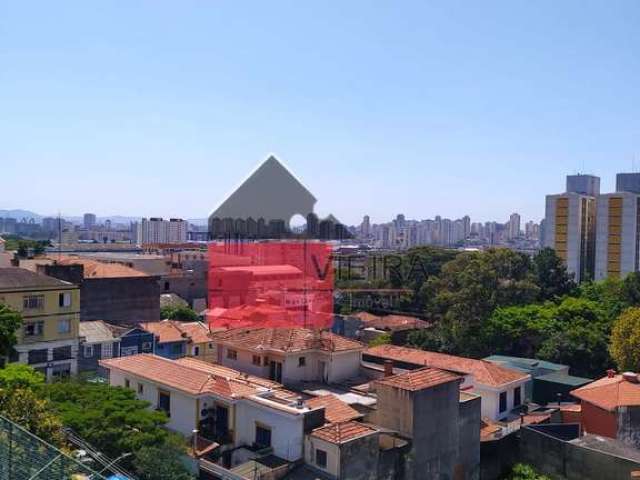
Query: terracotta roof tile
x=197 y=332
x=391 y=322
x=165 y=330
x=286 y=339
x=484 y=372
x=342 y=432
x=335 y=410
x=610 y=393
x=420 y=379
x=222 y=371
x=97 y=269
x=180 y=377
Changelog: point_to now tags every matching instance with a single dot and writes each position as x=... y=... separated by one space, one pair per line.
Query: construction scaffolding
x=23 y=456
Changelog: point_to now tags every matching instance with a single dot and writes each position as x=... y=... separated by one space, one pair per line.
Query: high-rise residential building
x=570 y=221
x=89 y=220
x=618 y=229
x=157 y=230
x=513 y=230
x=365 y=226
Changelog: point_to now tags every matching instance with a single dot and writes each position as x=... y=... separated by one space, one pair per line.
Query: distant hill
x=20 y=214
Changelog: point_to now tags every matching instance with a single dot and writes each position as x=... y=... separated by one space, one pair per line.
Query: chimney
x=388 y=368
x=630 y=377
x=611 y=373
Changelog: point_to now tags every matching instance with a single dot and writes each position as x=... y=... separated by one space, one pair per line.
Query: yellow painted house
x=50 y=309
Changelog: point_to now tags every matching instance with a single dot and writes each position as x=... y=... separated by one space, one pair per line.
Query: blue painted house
x=169 y=341
x=136 y=340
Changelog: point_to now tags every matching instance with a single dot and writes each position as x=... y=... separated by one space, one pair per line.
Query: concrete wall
x=468 y=463
x=333 y=455
x=359 y=459
x=563 y=460
x=629 y=426
x=121 y=301
x=286 y=430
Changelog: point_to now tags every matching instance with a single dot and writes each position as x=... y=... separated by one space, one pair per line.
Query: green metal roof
x=564 y=379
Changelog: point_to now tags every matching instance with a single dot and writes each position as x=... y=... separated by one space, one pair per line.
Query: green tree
x=10 y=322
x=518 y=330
x=625 y=340
x=525 y=472
x=162 y=462
x=551 y=275
x=20 y=402
x=110 y=418
x=179 y=312
x=382 y=339
x=471 y=287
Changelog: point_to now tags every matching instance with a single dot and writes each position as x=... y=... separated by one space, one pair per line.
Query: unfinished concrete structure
x=426 y=407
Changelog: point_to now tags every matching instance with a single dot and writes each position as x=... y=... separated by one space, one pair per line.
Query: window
x=64 y=325
x=62 y=353
x=88 y=351
x=107 y=350
x=126 y=351
x=503 y=402
x=33 y=329
x=61 y=371
x=64 y=299
x=38 y=356
x=321 y=458
x=232 y=354
x=196 y=350
x=517 y=400
x=140 y=389
x=146 y=347
x=127 y=383
x=257 y=360
x=164 y=402
x=33 y=302
x=263 y=436
x=302 y=361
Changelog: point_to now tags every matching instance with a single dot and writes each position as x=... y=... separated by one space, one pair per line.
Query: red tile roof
x=226 y=372
x=420 y=379
x=172 y=374
x=286 y=340
x=342 y=432
x=391 y=322
x=335 y=410
x=610 y=393
x=165 y=330
x=197 y=332
x=484 y=372
x=96 y=269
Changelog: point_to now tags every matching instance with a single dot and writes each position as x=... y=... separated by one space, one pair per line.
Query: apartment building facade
x=618 y=229
x=570 y=225
x=50 y=308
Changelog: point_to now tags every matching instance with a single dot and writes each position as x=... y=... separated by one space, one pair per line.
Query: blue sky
x=452 y=108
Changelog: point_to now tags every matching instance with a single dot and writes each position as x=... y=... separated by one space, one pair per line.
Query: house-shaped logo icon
x=263 y=205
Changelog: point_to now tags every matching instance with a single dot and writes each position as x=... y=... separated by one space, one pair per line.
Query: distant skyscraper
x=89 y=220
x=618 y=228
x=569 y=228
x=365 y=227
x=514 y=226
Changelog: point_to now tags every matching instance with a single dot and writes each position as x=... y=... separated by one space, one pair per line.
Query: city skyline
x=486 y=105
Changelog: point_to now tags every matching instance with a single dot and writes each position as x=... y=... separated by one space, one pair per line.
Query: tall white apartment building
x=618 y=229
x=570 y=225
x=157 y=230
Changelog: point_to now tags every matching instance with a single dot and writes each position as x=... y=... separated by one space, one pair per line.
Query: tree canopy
x=179 y=312
x=625 y=340
x=10 y=322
